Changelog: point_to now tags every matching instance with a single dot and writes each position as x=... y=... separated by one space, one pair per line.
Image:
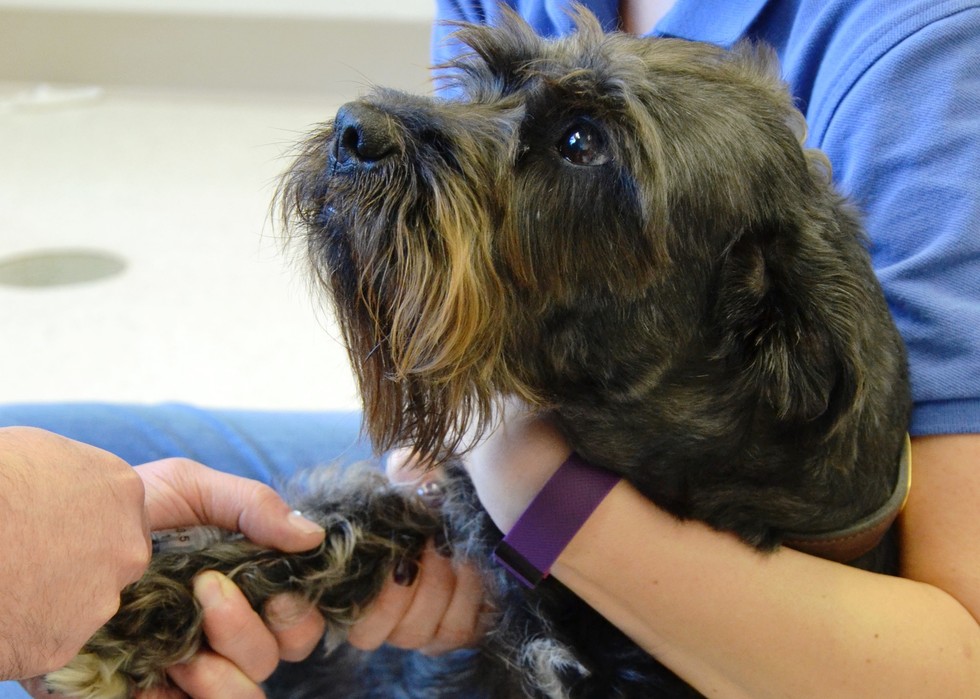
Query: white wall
x=419 y=10
x=278 y=46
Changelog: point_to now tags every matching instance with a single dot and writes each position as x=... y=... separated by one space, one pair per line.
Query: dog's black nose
x=363 y=134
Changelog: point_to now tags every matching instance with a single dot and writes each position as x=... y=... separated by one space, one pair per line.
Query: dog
x=625 y=234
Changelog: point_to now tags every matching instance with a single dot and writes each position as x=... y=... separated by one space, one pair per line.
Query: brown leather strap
x=850 y=543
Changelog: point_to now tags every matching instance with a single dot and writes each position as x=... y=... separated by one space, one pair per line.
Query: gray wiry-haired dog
x=624 y=233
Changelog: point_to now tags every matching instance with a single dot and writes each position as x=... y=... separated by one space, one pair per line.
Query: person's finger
x=180 y=492
x=461 y=624
x=210 y=676
x=434 y=590
x=374 y=627
x=233 y=629
x=296 y=624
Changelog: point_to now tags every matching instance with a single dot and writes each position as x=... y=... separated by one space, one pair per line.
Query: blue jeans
x=268 y=446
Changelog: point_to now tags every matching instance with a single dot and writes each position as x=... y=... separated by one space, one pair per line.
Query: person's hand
x=433 y=605
x=73 y=533
x=243 y=649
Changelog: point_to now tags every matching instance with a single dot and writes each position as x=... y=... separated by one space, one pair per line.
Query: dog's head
x=584 y=215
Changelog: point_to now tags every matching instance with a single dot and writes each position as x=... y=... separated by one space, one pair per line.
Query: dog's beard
x=407 y=260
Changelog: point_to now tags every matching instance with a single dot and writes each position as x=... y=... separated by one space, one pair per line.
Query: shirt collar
x=716 y=21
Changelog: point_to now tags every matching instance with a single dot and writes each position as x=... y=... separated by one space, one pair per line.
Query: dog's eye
x=583 y=144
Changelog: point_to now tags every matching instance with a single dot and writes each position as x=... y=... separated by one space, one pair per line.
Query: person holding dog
x=727 y=620
x=731 y=622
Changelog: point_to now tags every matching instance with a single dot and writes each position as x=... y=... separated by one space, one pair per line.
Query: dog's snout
x=363 y=134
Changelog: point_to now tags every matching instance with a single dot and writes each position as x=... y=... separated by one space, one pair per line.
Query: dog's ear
x=790 y=302
x=795 y=284
x=496 y=61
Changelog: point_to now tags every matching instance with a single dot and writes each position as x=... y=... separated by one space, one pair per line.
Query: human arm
x=737 y=623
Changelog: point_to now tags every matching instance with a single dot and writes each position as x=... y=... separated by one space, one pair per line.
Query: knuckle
x=104 y=609
x=142 y=555
x=134 y=565
x=61 y=656
x=126 y=483
x=264 y=495
x=179 y=470
x=129 y=477
x=258 y=502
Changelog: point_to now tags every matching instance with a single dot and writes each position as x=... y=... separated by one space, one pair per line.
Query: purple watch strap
x=551 y=520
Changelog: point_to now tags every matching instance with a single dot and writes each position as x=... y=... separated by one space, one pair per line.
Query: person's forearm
x=737 y=623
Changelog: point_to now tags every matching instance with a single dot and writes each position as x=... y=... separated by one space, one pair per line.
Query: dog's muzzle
x=363 y=136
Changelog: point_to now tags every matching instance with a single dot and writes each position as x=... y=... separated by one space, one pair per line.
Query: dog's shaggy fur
x=624 y=233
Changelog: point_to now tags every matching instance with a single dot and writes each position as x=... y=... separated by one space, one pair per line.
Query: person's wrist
x=552 y=519
x=513 y=464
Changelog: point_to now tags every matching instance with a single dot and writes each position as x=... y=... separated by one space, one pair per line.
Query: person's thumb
x=181 y=493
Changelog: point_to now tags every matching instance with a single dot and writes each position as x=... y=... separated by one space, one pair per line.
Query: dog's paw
x=89 y=676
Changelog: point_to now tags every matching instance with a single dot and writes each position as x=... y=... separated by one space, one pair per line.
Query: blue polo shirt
x=891 y=93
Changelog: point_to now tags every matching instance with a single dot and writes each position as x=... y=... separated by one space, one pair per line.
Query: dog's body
x=624 y=233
